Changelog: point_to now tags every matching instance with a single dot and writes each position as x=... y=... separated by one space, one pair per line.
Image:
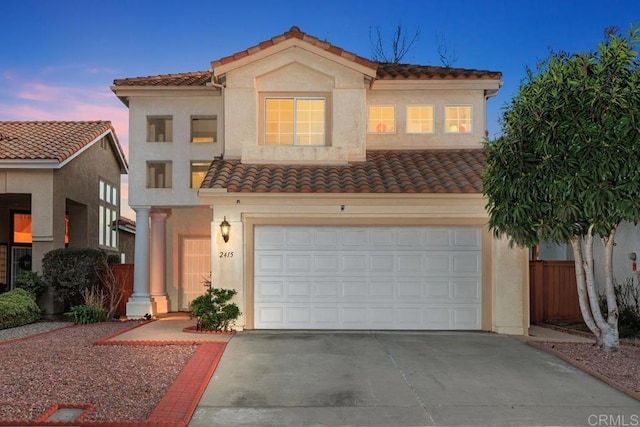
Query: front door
x=195 y=268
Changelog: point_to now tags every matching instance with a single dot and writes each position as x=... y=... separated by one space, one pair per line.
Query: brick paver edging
x=178 y=404
x=586 y=369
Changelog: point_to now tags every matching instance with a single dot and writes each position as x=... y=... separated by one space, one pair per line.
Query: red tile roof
x=426 y=171
x=384 y=70
x=294 y=32
x=195 y=78
x=388 y=71
x=50 y=140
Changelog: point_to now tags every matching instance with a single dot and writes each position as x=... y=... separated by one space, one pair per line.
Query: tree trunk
x=611 y=339
x=585 y=307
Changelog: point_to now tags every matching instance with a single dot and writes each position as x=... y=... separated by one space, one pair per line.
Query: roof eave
x=29 y=164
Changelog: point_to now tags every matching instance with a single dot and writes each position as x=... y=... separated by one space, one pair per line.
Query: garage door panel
x=298 y=263
x=270 y=264
x=368 y=278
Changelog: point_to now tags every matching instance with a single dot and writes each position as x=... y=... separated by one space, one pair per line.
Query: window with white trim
x=295 y=121
x=159 y=174
x=420 y=119
x=382 y=119
x=457 y=119
x=108 y=215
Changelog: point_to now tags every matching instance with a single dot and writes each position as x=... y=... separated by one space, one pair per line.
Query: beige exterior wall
x=439 y=99
x=297 y=69
x=505 y=270
x=180 y=152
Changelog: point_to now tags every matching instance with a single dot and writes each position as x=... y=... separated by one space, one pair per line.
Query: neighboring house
x=352 y=189
x=59 y=186
x=127 y=238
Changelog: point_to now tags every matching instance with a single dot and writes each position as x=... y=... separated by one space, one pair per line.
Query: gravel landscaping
x=64 y=366
x=621 y=367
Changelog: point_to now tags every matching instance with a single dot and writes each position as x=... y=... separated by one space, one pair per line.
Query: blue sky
x=59 y=58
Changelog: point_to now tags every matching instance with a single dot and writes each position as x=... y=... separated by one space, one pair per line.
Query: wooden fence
x=124 y=277
x=553 y=293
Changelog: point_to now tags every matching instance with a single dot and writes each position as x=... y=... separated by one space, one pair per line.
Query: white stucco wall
x=181 y=151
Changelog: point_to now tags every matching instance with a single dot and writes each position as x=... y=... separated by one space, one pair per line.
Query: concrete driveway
x=401 y=379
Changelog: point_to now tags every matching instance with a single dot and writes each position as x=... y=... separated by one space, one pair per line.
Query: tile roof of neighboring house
x=57 y=141
x=195 y=78
x=384 y=70
x=426 y=171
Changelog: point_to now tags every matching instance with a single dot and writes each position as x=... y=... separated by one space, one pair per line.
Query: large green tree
x=566 y=168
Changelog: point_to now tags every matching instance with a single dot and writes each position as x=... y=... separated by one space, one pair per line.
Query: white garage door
x=367 y=278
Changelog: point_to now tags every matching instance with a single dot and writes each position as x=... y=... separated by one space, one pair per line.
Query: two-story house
x=330 y=191
x=59 y=186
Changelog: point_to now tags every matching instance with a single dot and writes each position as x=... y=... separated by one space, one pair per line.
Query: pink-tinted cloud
x=26 y=99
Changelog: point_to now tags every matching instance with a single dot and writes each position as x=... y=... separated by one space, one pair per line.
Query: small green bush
x=32 y=282
x=69 y=271
x=213 y=311
x=18 y=307
x=84 y=314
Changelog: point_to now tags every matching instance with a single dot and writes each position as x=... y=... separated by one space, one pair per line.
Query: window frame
x=108 y=214
x=325 y=97
x=169 y=174
x=380 y=124
x=206 y=164
x=166 y=138
x=214 y=138
x=433 y=118
x=447 y=126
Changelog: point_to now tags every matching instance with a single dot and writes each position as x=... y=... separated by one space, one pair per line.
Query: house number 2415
x=226 y=254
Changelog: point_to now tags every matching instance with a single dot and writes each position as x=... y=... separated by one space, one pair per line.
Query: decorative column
x=157 y=265
x=140 y=302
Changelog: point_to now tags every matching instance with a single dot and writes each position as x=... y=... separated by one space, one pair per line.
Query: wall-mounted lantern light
x=224 y=229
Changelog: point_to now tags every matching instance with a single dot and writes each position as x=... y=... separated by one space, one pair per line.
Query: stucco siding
x=180 y=152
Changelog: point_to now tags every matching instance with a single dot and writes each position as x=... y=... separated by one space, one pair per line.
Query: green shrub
x=32 y=282
x=84 y=314
x=212 y=310
x=69 y=271
x=18 y=307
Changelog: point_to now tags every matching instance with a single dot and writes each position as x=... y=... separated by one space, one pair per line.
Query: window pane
x=299 y=117
x=458 y=119
x=198 y=172
x=114 y=229
x=159 y=174
x=101 y=190
x=22 y=228
x=381 y=119
x=204 y=129
x=159 y=129
x=101 y=225
x=420 y=119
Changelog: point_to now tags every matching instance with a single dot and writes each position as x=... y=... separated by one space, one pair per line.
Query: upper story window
x=159 y=129
x=420 y=119
x=382 y=119
x=295 y=121
x=457 y=119
x=204 y=129
x=198 y=172
x=108 y=215
x=159 y=174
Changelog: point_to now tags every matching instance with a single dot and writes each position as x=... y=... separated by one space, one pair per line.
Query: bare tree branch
x=400 y=45
x=447 y=59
